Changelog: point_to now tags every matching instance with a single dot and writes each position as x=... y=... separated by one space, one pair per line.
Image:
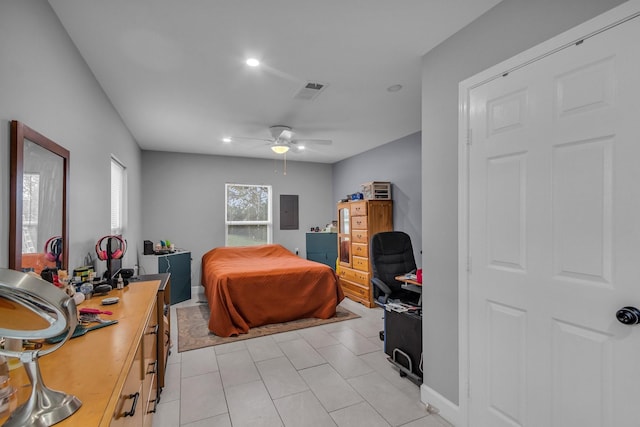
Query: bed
x=251 y=286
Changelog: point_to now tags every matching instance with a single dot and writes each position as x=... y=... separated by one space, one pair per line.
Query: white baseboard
x=443 y=406
x=197 y=291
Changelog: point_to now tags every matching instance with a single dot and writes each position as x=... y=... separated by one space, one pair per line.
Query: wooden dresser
x=112 y=370
x=163 y=306
x=358 y=222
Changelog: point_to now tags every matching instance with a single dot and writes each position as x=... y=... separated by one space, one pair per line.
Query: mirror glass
x=15 y=316
x=39 y=173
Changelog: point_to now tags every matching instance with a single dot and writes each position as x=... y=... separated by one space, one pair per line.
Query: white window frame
x=118 y=196
x=268 y=222
x=30 y=211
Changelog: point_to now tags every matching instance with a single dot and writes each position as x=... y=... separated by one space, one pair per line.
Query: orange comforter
x=251 y=286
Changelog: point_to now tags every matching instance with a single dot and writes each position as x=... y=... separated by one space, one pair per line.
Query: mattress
x=252 y=286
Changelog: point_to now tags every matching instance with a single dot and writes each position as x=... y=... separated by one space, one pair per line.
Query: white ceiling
x=174 y=70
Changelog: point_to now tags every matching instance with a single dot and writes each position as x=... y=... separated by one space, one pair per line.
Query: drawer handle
x=154 y=331
x=155 y=367
x=155 y=406
x=132 y=411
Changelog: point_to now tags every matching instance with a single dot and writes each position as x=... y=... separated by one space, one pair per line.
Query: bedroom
x=82 y=113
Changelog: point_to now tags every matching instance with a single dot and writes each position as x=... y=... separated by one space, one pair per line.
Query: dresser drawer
x=150 y=387
x=360 y=236
x=360 y=263
x=358 y=208
x=356 y=276
x=150 y=338
x=360 y=249
x=359 y=222
x=354 y=289
x=129 y=398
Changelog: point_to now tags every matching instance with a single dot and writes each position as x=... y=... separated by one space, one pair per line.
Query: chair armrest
x=381 y=285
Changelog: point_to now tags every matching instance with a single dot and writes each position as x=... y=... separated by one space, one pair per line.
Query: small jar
x=13 y=344
x=87 y=289
x=4 y=368
x=6 y=391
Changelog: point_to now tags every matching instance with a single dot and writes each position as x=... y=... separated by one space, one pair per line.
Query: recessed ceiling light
x=253 y=62
x=394 y=88
x=301 y=147
x=226 y=139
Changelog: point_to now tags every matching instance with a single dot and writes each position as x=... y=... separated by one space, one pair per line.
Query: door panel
x=582 y=200
x=554 y=238
x=506 y=373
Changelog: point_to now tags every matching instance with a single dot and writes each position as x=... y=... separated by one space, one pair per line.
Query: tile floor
x=331 y=375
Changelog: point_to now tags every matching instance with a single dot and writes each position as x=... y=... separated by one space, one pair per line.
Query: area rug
x=193 y=331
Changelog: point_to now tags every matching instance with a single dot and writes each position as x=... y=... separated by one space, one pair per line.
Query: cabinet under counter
x=101 y=367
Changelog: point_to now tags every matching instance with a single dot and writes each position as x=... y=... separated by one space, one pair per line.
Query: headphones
x=53 y=249
x=117 y=254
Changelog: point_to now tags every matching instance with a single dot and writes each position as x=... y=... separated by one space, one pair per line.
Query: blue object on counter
x=80 y=331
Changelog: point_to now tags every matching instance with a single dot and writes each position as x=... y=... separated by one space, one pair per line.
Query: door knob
x=628 y=315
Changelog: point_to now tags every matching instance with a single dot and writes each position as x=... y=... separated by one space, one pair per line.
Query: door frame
x=460 y=416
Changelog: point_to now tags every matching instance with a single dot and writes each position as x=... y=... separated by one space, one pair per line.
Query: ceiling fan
x=282 y=140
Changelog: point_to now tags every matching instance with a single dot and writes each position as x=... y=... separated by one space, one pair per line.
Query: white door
x=554 y=239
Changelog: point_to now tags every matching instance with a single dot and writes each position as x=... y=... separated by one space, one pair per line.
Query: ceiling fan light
x=280 y=148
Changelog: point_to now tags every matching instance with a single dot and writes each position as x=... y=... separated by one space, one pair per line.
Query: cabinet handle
x=155 y=406
x=155 y=330
x=155 y=367
x=132 y=411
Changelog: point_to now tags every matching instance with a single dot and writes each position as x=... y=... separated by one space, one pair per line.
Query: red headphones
x=117 y=254
x=53 y=249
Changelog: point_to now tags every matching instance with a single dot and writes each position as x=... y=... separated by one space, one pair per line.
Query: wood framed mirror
x=39 y=203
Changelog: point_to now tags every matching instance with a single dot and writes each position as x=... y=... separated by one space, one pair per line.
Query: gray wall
x=45 y=83
x=509 y=28
x=183 y=198
x=399 y=163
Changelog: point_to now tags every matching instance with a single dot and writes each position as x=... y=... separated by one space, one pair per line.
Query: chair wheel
x=381 y=335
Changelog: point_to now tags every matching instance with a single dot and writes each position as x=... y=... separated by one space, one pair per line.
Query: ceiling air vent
x=310 y=91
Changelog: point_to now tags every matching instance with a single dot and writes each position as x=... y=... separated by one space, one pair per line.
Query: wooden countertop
x=94 y=367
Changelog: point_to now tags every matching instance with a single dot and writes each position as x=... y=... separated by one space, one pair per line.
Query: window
x=117 y=196
x=248 y=214
x=30 y=211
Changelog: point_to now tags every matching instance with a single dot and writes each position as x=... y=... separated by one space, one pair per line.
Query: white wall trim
x=444 y=407
x=459 y=415
x=463 y=257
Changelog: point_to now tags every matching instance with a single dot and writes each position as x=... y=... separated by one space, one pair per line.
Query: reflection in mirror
x=39 y=184
x=17 y=316
x=41 y=207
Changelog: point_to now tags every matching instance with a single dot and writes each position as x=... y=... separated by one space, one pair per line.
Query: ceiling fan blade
x=247 y=138
x=313 y=141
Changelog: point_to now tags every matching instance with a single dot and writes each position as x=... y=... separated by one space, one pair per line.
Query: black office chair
x=391 y=256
